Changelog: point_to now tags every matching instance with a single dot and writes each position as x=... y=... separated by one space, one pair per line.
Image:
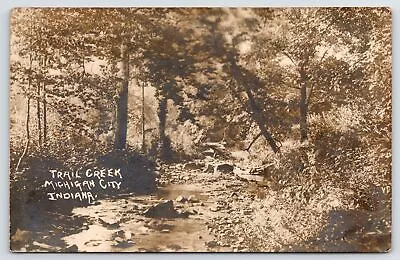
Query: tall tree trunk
x=303 y=105
x=44 y=106
x=162 y=117
x=44 y=115
x=28 y=112
x=122 y=102
x=39 y=123
x=143 y=123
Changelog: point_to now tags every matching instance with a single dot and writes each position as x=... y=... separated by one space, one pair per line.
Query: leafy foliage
x=304 y=92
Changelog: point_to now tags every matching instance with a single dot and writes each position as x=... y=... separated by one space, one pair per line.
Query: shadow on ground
x=38 y=224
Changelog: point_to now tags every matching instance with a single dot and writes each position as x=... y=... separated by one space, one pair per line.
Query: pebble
x=128 y=235
x=119 y=239
x=211 y=243
x=180 y=199
x=214 y=209
x=192 y=198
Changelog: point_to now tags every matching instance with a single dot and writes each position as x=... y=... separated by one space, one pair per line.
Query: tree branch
x=309 y=94
x=290 y=58
x=323 y=55
x=252 y=142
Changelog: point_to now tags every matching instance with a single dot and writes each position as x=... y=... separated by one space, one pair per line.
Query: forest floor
x=203 y=206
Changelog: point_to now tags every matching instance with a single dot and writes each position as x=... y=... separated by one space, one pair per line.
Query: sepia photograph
x=200 y=129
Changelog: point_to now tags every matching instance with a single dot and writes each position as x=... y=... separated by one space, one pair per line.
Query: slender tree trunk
x=28 y=112
x=143 y=123
x=122 y=102
x=303 y=105
x=39 y=123
x=44 y=107
x=252 y=142
x=83 y=66
x=162 y=117
x=44 y=115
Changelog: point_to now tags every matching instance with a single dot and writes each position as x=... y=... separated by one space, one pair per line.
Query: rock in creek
x=70 y=249
x=211 y=243
x=225 y=168
x=192 y=198
x=180 y=199
x=193 y=165
x=209 y=169
x=164 y=209
x=109 y=223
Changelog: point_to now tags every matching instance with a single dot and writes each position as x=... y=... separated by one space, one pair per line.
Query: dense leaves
x=306 y=90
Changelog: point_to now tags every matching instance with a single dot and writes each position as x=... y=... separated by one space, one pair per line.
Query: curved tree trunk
x=258 y=118
x=244 y=78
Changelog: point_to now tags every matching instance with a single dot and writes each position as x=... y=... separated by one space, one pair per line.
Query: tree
x=225 y=43
x=168 y=63
x=306 y=41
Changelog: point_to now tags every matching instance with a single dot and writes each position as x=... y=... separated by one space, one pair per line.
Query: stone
x=180 y=199
x=164 y=209
x=128 y=235
x=72 y=248
x=109 y=223
x=211 y=243
x=192 y=198
x=192 y=212
x=214 y=209
x=42 y=246
x=247 y=212
x=209 y=152
x=184 y=213
x=119 y=239
x=21 y=236
x=119 y=233
x=225 y=168
x=208 y=169
x=193 y=166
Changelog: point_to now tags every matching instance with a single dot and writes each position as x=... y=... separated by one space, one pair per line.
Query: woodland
x=278 y=118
